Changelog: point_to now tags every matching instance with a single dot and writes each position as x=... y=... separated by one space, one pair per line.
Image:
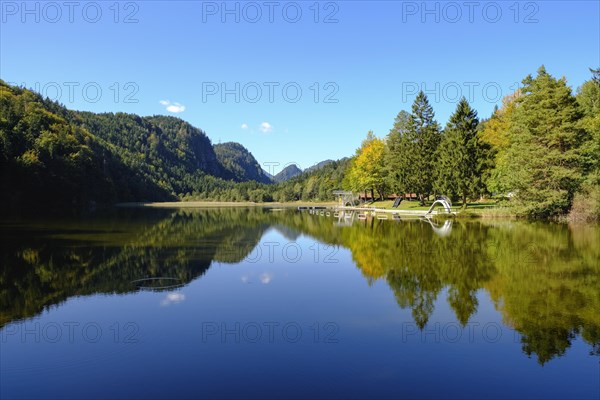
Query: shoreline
x=220 y=204
x=488 y=213
x=469 y=213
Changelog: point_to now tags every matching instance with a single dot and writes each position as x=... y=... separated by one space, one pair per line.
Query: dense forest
x=315 y=183
x=539 y=151
x=240 y=163
x=52 y=158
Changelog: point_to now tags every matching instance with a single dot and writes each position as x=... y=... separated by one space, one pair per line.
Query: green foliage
x=542 y=164
x=49 y=162
x=165 y=150
x=368 y=167
x=53 y=158
x=239 y=164
x=315 y=185
x=494 y=141
x=542 y=146
x=397 y=165
x=422 y=139
x=588 y=98
x=458 y=163
x=410 y=159
x=586 y=203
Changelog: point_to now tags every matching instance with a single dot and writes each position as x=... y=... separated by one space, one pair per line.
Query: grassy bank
x=488 y=209
x=222 y=204
x=473 y=210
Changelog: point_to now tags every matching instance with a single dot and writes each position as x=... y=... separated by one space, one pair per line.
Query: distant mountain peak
x=287 y=173
x=318 y=165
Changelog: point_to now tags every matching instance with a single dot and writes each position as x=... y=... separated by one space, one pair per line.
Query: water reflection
x=440 y=228
x=543 y=278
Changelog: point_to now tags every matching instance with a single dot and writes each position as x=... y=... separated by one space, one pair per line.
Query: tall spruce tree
x=396 y=165
x=542 y=166
x=458 y=165
x=422 y=138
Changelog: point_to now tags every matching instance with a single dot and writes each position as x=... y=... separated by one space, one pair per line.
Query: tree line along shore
x=537 y=156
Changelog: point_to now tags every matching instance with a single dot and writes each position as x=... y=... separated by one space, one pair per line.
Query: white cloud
x=176 y=108
x=173 y=107
x=172 y=298
x=244 y=126
x=266 y=127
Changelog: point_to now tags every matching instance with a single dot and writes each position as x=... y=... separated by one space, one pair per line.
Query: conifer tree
x=542 y=166
x=396 y=155
x=458 y=164
x=422 y=138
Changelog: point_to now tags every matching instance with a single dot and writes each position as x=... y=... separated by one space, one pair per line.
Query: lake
x=267 y=303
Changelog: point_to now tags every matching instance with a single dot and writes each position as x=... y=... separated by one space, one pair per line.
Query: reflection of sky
x=265 y=278
x=378 y=353
x=172 y=298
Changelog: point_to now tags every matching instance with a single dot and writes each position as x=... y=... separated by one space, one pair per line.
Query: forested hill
x=316 y=184
x=52 y=157
x=239 y=164
x=167 y=142
x=537 y=154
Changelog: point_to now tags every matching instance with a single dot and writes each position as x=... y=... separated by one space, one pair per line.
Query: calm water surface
x=258 y=303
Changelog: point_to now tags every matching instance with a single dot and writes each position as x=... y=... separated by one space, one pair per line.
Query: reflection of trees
x=414 y=292
x=548 y=285
x=105 y=256
x=543 y=278
x=417 y=263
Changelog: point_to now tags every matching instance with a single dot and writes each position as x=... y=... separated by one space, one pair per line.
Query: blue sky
x=367 y=60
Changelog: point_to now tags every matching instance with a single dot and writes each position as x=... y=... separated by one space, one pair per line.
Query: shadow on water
x=543 y=278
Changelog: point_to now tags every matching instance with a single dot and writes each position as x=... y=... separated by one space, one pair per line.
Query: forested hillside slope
x=52 y=157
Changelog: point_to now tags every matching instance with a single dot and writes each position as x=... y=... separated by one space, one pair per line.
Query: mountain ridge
x=54 y=158
x=77 y=159
x=287 y=173
x=239 y=162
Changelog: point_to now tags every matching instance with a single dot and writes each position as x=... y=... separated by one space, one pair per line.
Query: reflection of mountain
x=290 y=234
x=73 y=261
x=543 y=278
